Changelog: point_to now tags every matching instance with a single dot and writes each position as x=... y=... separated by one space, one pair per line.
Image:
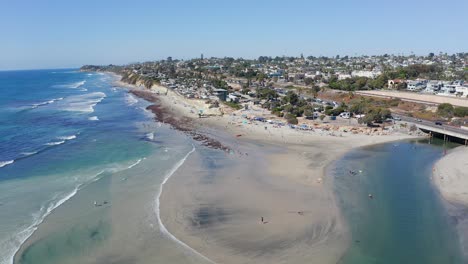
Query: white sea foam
x=67 y=137
x=38 y=218
x=29 y=153
x=158 y=211
x=46 y=102
x=150 y=136
x=134 y=164
x=7 y=254
x=93 y=118
x=82 y=103
x=5 y=163
x=55 y=143
x=71 y=85
x=130 y=99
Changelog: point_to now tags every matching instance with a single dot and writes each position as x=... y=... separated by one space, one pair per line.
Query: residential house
x=433 y=86
x=415 y=85
x=394 y=84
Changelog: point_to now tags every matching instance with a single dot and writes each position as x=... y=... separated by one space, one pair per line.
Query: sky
x=66 y=34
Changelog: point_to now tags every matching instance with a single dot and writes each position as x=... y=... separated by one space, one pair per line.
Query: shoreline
x=449 y=178
x=245 y=138
x=162 y=227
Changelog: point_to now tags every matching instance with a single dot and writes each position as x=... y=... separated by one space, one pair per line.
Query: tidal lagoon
x=393 y=211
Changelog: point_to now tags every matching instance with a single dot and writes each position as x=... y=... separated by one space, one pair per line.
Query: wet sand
x=450 y=176
x=215 y=203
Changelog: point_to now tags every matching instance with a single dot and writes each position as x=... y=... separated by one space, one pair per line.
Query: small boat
x=371 y=196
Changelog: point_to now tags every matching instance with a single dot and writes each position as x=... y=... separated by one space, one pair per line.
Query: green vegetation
x=265 y=93
x=460 y=111
x=375 y=114
x=291 y=119
x=445 y=110
x=448 y=111
x=233 y=105
x=414 y=71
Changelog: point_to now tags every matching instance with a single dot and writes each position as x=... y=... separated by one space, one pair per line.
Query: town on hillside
x=304 y=88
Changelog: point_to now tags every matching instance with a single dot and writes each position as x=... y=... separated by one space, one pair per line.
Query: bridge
x=444 y=131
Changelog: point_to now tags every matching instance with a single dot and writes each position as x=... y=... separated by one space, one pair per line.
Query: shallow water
x=66 y=134
x=405 y=221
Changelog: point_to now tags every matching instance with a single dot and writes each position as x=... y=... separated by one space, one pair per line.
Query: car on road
x=419 y=120
x=396 y=118
x=438 y=123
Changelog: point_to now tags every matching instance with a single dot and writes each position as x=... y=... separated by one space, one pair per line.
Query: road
x=417 y=97
x=432 y=124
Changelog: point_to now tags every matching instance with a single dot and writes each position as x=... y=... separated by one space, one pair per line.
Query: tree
x=288 y=108
x=291 y=119
x=315 y=90
x=266 y=93
x=460 y=111
x=445 y=110
x=308 y=112
x=291 y=98
x=308 y=81
x=376 y=114
x=359 y=106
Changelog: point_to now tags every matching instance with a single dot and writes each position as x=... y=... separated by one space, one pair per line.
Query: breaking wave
x=5 y=163
x=70 y=85
x=46 y=103
x=82 y=103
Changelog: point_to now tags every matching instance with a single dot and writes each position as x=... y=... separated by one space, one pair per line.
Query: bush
x=394 y=102
x=445 y=110
x=233 y=105
x=291 y=119
x=460 y=111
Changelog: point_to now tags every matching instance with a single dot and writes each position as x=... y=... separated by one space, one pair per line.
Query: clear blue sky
x=62 y=33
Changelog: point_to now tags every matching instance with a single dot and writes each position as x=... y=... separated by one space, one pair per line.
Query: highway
x=433 y=125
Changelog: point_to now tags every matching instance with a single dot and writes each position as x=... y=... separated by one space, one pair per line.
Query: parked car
x=438 y=123
x=396 y=118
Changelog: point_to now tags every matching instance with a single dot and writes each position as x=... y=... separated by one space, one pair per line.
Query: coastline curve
x=162 y=227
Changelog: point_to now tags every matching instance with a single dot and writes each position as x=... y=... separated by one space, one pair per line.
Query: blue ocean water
x=60 y=130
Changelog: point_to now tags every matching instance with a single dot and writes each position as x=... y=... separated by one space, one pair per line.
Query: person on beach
x=262 y=220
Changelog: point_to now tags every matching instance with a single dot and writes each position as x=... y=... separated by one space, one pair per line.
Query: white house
x=415 y=85
x=433 y=86
x=343 y=76
x=448 y=89
x=368 y=74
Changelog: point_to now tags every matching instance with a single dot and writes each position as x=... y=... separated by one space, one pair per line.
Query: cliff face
x=128 y=76
x=137 y=79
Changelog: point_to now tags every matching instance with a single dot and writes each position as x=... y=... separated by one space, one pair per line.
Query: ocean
x=63 y=133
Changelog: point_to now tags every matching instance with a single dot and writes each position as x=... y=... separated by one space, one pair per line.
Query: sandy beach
x=268 y=199
x=450 y=177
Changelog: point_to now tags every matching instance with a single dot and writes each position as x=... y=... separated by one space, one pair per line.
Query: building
x=433 y=86
x=415 y=85
x=462 y=90
x=367 y=74
x=221 y=94
x=395 y=84
x=343 y=76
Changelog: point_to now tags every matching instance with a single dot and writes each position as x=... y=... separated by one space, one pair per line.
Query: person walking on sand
x=262 y=220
